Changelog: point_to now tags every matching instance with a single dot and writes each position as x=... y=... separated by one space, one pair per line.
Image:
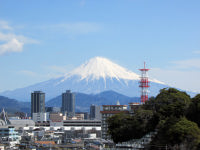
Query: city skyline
x=40 y=40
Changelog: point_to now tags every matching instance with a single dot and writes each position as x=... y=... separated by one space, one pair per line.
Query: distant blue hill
x=12 y=105
x=83 y=101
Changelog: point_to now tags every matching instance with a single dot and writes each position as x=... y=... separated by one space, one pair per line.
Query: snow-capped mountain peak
x=95 y=76
x=99 y=67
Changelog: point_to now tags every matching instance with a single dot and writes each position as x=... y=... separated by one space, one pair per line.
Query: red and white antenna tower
x=144 y=84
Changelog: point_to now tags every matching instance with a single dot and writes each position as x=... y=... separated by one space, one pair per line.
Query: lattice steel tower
x=144 y=84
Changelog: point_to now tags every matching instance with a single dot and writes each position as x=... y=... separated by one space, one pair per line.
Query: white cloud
x=4 y=25
x=10 y=36
x=12 y=46
x=10 y=42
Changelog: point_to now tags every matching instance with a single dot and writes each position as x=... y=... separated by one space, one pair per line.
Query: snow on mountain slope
x=95 y=76
x=99 y=67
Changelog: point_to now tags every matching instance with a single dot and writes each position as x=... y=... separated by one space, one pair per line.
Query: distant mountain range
x=12 y=105
x=95 y=76
x=83 y=101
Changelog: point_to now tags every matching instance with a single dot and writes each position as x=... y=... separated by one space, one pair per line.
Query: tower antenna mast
x=144 y=84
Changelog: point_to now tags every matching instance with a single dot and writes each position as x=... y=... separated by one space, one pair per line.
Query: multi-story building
x=37 y=102
x=86 y=115
x=40 y=117
x=57 y=117
x=68 y=103
x=95 y=112
x=79 y=116
x=9 y=134
x=82 y=123
x=108 y=111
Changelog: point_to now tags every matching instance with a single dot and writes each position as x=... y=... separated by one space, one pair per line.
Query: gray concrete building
x=95 y=112
x=37 y=102
x=68 y=103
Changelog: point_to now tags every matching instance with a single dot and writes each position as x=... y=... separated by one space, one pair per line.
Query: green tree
x=161 y=139
x=184 y=133
x=147 y=120
x=165 y=114
x=123 y=127
x=171 y=102
x=176 y=133
x=119 y=127
x=194 y=110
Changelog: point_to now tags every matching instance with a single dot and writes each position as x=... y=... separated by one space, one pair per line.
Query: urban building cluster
x=54 y=127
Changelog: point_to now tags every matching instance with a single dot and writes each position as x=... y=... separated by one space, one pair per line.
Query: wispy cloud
x=9 y=36
x=80 y=28
x=183 y=79
x=187 y=64
x=82 y=3
x=28 y=73
x=53 y=71
x=76 y=28
x=40 y=76
x=4 y=25
x=58 y=69
x=11 y=42
x=196 y=52
x=180 y=74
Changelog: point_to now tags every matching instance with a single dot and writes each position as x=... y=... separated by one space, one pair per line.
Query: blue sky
x=44 y=39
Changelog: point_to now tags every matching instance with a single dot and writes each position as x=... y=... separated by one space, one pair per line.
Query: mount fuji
x=96 y=75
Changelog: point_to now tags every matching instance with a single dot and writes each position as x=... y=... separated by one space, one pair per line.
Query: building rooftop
x=113 y=105
x=134 y=103
x=38 y=92
x=46 y=142
x=114 y=111
x=22 y=122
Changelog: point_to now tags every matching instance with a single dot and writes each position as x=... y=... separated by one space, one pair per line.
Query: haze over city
x=40 y=40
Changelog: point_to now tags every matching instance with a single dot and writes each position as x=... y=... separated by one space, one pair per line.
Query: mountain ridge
x=83 y=101
x=13 y=105
x=95 y=76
